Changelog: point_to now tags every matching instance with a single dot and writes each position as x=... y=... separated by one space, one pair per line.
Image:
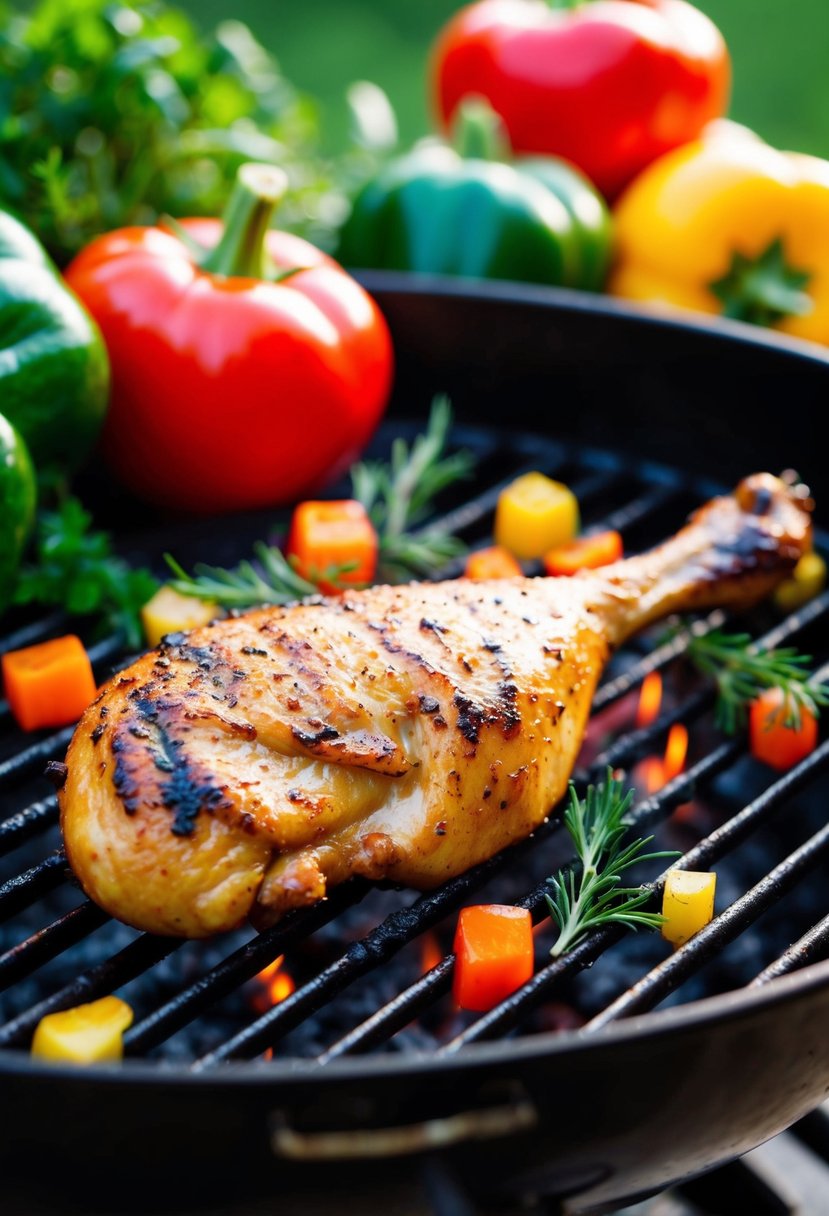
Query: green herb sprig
x=397 y=495
x=742 y=670
x=590 y=895
x=73 y=566
x=274 y=581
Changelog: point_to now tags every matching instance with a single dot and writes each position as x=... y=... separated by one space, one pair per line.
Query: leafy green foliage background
x=780 y=52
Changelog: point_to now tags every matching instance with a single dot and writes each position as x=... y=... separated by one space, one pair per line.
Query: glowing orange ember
x=431 y=953
x=659 y=770
x=275 y=985
x=676 y=750
x=650 y=699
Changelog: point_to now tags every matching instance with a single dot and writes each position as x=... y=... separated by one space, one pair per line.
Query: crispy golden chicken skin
x=402 y=733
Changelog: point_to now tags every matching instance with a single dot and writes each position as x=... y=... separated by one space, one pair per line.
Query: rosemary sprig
x=398 y=494
x=742 y=670
x=588 y=896
x=274 y=581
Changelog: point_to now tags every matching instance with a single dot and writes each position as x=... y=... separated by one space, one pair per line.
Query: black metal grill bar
x=31 y=760
x=661 y=656
x=719 y=842
x=25 y=888
x=50 y=941
x=432 y=985
x=399 y=1012
x=413 y=1000
x=553 y=458
x=381 y=944
x=410 y=1003
x=237 y=968
x=42 y=628
x=132 y=961
x=810 y=948
x=638 y=510
x=688 y=959
x=655 y=660
x=27 y=823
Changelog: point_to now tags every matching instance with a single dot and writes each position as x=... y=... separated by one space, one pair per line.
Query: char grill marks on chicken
x=404 y=733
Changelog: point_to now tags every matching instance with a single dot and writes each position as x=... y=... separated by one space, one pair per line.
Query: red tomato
x=771 y=741
x=610 y=85
x=493 y=954
x=230 y=391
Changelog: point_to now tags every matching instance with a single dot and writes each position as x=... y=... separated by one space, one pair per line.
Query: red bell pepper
x=608 y=86
x=248 y=367
x=328 y=535
x=493 y=954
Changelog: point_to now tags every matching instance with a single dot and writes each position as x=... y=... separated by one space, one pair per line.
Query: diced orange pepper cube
x=326 y=535
x=493 y=954
x=584 y=553
x=493 y=562
x=49 y=684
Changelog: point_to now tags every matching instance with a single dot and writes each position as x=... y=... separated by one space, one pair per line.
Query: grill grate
x=38 y=967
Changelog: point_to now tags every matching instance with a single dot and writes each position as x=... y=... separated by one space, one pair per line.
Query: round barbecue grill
x=616 y=1070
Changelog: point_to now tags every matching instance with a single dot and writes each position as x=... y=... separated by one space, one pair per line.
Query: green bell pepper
x=18 y=498
x=54 y=371
x=463 y=211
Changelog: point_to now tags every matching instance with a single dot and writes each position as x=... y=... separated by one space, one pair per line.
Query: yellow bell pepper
x=534 y=514
x=730 y=225
x=687 y=904
x=807 y=580
x=169 y=612
x=86 y=1034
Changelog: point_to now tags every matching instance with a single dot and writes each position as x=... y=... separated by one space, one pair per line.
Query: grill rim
x=722 y=330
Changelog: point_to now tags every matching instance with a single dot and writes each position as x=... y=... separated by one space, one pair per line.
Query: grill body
x=597 y=1117
x=620 y=1115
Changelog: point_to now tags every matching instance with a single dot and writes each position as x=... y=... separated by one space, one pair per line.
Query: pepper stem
x=764 y=289
x=478 y=133
x=241 y=251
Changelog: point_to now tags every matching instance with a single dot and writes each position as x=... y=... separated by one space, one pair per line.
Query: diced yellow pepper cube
x=808 y=580
x=535 y=514
x=687 y=904
x=169 y=612
x=84 y=1035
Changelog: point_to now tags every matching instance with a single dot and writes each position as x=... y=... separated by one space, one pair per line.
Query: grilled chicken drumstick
x=401 y=733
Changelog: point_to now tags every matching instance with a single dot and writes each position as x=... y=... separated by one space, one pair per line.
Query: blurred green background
x=780 y=50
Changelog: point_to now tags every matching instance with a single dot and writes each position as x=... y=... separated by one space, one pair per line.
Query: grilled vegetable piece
x=401 y=733
x=50 y=683
x=493 y=954
x=687 y=904
x=168 y=611
x=87 y=1034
